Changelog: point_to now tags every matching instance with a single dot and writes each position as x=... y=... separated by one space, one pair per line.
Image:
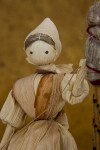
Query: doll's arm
x=6 y=137
x=79 y=80
x=12 y=115
x=77 y=88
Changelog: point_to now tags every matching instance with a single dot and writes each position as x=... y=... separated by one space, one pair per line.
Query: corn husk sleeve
x=11 y=113
x=74 y=92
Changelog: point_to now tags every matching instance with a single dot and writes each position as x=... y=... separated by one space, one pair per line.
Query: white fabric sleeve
x=11 y=113
x=81 y=88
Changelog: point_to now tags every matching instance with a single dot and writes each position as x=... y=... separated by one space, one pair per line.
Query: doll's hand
x=82 y=63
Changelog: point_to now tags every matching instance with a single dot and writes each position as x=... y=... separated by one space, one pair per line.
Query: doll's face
x=40 y=53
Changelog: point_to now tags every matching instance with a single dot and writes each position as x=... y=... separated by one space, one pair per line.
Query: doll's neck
x=50 y=68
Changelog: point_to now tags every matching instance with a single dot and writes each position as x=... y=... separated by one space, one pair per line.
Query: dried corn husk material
x=47 y=27
x=93 y=58
x=61 y=68
x=52 y=131
x=93 y=42
x=93 y=64
x=77 y=88
x=11 y=112
x=48 y=134
x=7 y=137
x=93 y=14
x=23 y=92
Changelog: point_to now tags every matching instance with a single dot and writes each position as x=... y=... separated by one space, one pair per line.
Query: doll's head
x=42 y=45
x=94 y=14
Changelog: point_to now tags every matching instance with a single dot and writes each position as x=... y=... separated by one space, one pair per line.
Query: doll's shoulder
x=23 y=92
x=25 y=79
x=23 y=83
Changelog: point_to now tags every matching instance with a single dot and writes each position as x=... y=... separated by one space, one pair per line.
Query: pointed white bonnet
x=48 y=27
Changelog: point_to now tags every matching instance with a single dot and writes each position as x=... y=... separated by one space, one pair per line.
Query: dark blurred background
x=17 y=19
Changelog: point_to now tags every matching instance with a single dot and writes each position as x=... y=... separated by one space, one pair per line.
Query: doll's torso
x=36 y=82
x=39 y=95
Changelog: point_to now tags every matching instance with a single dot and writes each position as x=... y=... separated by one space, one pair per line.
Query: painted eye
x=31 y=52
x=46 y=52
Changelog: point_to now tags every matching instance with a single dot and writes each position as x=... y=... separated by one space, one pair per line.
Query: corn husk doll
x=42 y=96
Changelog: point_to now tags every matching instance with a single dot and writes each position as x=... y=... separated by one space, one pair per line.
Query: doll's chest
x=36 y=82
x=47 y=95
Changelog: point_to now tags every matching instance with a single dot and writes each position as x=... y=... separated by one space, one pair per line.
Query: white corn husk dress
x=50 y=130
